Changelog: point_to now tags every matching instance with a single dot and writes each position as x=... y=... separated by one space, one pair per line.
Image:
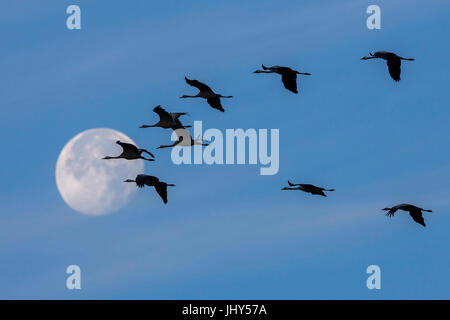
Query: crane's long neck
x=371 y=56
x=188 y=96
x=108 y=158
x=407 y=59
x=166 y=146
x=150 y=126
x=264 y=71
x=199 y=141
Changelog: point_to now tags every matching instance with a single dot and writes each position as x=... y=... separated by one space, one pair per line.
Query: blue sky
x=228 y=232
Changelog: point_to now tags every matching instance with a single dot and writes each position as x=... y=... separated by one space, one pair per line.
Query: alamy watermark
x=74 y=20
x=229 y=148
x=374 y=280
x=74 y=280
x=374 y=20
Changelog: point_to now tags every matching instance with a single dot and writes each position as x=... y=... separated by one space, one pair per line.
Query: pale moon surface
x=89 y=184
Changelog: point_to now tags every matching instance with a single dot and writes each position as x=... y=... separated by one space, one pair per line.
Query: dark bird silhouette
x=131 y=152
x=167 y=120
x=393 y=61
x=185 y=140
x=414 y=212
x=151 y=181
x=307 y=188
x=206 y=92
x=288 y=76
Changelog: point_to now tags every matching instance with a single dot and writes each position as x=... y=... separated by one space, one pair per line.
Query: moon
x=89 y=184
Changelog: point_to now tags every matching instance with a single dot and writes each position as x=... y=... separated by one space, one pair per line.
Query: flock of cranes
x=170 y=120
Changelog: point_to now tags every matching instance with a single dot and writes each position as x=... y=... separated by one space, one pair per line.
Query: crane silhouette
x=309 y=188
x=414 y=212
x=185 y=139
x=288 y=76
x=393 y=61
x=206 y=92
x=151 y=181
x=130 y=152
x=167 y=120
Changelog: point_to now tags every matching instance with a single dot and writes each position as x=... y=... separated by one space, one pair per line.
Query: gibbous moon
x=89 y=184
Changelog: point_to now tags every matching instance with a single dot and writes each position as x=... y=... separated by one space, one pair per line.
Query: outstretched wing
x=176 y=123
x=180 y=139
x=394 y=68
x=161 y=188
x=199 y=85
x=278 y=69
x=290 y=81
x=391 y=212
x=164 y=116
x=416 y=214
x=140 y=180
x=149 y=180
x=319 y=192
x=215 y=103
x=128 y=147
x=176 y=115
x=147 y=152
x=313 y=189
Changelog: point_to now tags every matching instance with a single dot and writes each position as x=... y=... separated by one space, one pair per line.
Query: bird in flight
x=185 y=140
x=414 y=212
x=167 y=119
x=206 y=92
x=288 y=76
x=309 y=188
x=131 y=152
x=393 y=61
x=151 y=181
